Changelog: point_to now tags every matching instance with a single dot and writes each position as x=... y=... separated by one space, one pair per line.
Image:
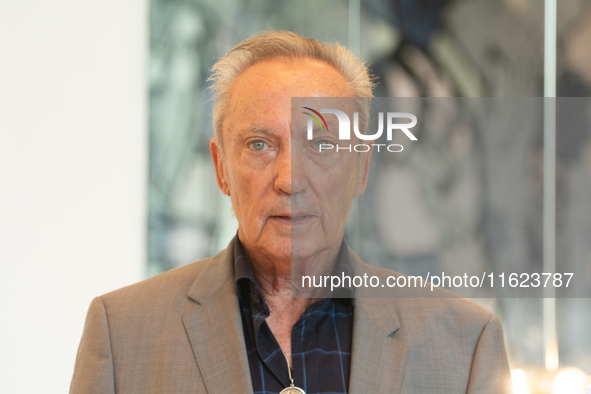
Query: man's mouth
x=292 y=219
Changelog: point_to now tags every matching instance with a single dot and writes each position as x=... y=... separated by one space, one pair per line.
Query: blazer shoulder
x=172 y=289
x=171 y=281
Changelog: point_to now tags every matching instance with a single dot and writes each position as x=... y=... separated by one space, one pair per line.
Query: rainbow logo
x=315 y=118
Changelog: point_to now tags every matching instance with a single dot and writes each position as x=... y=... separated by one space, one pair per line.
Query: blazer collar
x=216 y=272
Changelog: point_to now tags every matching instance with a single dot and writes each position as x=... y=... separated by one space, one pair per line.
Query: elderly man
x=229 y=324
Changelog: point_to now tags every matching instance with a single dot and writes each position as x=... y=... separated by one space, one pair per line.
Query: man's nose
x=290 y=173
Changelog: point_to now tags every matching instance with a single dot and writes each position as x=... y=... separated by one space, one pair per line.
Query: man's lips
x=295 y=218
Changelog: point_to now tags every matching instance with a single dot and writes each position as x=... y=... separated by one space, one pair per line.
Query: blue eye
x=322 y=145
x=259 y=145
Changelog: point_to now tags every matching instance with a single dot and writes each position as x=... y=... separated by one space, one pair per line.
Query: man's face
x=290 y=200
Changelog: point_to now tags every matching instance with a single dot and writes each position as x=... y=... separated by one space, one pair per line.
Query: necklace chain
x=292 y=389
x=288 y=369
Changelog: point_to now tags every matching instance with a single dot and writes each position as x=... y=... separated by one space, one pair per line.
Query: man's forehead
x=261 y=98
x=290 y=119
x=283 y=79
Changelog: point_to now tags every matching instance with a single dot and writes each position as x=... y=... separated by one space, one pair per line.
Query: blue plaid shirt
x=320 y=340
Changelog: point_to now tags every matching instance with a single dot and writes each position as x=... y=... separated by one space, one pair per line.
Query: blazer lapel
x=379 y=353
x=214 y=327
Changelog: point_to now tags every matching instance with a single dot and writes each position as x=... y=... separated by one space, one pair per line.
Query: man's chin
x=295 y=245
x=296 y=248
x=304 y=248
x=282 y=250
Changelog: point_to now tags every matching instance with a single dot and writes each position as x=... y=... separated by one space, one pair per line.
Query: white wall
x=73 y=154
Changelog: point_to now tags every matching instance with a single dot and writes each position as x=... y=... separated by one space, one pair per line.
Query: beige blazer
x=181 y=332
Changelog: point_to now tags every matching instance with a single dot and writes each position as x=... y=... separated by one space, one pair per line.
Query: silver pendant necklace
x=291 y=389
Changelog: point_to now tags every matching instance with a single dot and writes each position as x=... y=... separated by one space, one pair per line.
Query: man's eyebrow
x=255 y=129
x=332 y=128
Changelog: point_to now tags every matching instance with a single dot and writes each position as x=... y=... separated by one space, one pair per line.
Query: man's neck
x=274 y=276
x=275 y=280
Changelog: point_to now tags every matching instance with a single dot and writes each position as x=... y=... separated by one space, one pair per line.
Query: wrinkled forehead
x=267 y=87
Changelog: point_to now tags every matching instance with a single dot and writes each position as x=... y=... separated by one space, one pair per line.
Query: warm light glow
x=552 y=355
x=569 y=381
x=519 y=379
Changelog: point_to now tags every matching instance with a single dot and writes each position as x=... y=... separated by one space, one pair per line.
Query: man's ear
x=364 y=162
x=219 y=165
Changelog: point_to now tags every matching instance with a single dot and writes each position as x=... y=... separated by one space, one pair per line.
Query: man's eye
x=322 y=145
x=258 y=145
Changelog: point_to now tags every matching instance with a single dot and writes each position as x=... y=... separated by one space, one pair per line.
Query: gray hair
x=283 y=44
